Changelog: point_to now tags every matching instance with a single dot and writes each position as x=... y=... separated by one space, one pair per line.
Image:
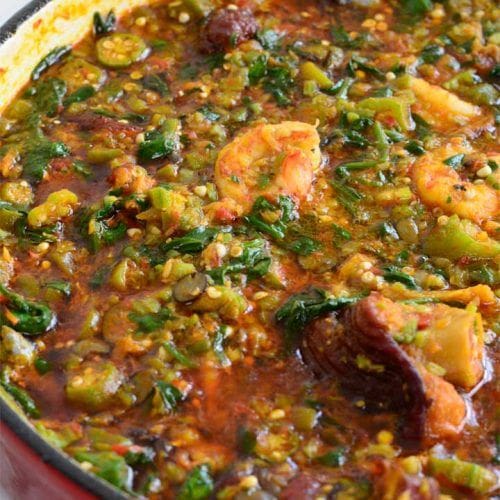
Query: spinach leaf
x=178 y=355
x=302 y=308
x=38 y=155
x=82 y=94
x=341 y=38
x=347 y=196
x=455 y=161
x=344 y=169
x=155 y=83
x=99 y=277
x=53 y=57
x=277 y=229
x=81 y=168
x=170 y=395
x=49 y=95
x=334 y=458
x=193 y=242
x=148 y=323
x=416 y=8
x=61 y=286
x=31 y=318
x=257 y=69
x=36 y=235
x=393 y=274
x=254 y=261
x=106 y=25
x=101 y=227
x=198 y=485
x=279 y=83
x=303 y=246
x=156 y=145
x=422 y=128
x=357 y=63
x=431 y=53
x=247 y=440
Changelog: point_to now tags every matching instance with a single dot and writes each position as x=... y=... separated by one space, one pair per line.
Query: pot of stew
x=250 y=249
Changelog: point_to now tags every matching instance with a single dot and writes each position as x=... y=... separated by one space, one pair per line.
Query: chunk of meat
x=361 y=351
x=371 y=366
x=226 y=28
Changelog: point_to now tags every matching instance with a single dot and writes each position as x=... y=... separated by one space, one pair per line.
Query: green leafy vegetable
x=81 y=168
x=103 y=26
x=170 y=395
x=334 y=458
x=178 y=355
x=279 y=82
x=357 y=63
x=345 y=169
x=38 y=155
x=198 y=485
x=49 y=95
x=347 y=196
x=416 y=8
x=455 y=161
x=247 y=440
x=276 y=229
x=257 y=69
x=341 y=38
x=254 y=261
x=82 y=94
x=53 y=57
x=393 y=274
x=302 y=308
x=25 y=316
x=431 y=53
x=101 y=227
x=155 y=146
x=148 y=323
x=61 y=286
x=155 y=83
x=193 y=242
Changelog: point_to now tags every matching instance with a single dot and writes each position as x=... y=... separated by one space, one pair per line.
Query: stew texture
x=251 y=251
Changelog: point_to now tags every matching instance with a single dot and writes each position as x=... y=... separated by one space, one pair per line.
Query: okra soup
x=250 y=250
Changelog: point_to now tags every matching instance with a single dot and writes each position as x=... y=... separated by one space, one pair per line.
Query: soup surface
x=251 y=250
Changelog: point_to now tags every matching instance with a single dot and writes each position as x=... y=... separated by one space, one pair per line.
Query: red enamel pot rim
x=20 y=444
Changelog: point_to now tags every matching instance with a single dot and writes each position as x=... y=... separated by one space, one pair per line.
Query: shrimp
x=438 y=185
x=443 y=109
x=269 y=160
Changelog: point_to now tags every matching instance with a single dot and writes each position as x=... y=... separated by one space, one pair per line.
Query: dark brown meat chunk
x=359 y=350
x=226 y=28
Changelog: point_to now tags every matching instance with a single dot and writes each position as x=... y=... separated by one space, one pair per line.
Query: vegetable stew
x=251 y=250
